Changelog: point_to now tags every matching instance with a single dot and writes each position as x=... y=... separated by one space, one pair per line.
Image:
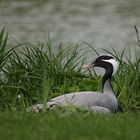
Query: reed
x=34 y=73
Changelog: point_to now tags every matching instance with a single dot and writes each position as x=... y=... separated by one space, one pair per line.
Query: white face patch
x=114 y=64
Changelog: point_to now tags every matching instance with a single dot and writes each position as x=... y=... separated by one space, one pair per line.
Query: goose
x=104 y=101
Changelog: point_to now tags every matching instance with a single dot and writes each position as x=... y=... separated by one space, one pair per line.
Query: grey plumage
x=104 y=101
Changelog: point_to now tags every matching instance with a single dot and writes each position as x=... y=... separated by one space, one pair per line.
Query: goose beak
x=87 y=66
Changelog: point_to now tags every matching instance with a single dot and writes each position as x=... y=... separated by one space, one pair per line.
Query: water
x=102 y=23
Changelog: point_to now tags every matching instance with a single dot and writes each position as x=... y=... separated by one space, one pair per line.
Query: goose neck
x=106 y=83
x=107 y=86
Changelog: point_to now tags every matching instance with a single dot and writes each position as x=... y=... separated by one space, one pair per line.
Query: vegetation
x=34 y=73
x=34 y=126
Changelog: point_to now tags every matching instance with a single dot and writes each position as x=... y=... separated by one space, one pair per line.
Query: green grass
x=49 y=126
x=39 y=72
x=35 y=73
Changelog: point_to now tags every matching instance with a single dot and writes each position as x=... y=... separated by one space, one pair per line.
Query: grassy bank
x=35 y=73
x=73 y=127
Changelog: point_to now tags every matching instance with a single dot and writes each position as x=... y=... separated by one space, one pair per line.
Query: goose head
x=110 y=65
x=107 y=62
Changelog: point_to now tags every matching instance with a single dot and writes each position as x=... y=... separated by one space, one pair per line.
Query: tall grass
x=34 y=73
x=127 y=80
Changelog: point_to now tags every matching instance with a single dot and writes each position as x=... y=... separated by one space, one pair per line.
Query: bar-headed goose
x=104 y=101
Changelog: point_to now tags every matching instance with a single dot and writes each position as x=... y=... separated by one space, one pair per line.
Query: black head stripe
x=103 y=57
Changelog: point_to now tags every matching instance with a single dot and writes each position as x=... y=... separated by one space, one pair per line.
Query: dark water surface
x=103 y=23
